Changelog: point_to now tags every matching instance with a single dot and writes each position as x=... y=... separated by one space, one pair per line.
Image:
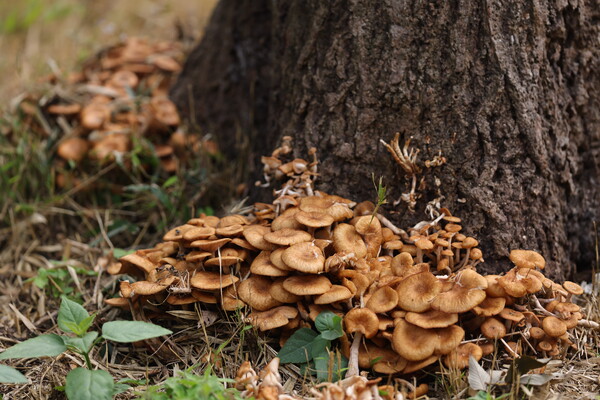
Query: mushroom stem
x=388 y=224
x=464 y=260
x=586 y=323
x=541 y=308
x=509 y=349
x=353 y=359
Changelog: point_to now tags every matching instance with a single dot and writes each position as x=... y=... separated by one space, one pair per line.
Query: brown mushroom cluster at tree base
x=407 y=300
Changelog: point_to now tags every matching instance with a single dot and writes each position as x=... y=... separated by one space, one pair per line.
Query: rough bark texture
x=508 y=91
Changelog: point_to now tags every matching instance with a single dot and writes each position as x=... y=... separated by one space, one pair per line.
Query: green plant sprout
x=381 y=195
x=57 y=281
x=82 y=383
x=187 y=385
x=311 y=350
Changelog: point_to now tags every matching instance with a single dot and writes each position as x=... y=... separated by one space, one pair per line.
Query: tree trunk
x=507 y=91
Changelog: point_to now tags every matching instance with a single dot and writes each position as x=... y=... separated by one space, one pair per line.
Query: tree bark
x=507 y=91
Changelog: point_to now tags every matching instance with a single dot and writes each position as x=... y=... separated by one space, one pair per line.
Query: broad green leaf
x=70 y=315
x=120 y=388
x=11 y=375
x=81 y=344
x=84 y=384
x=319 y=346
x=322 y=367
x=132 y=331
x=297 y=349
x=330 y=325
x=44 y=345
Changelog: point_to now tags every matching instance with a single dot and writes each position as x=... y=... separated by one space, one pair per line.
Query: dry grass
x=37 y=36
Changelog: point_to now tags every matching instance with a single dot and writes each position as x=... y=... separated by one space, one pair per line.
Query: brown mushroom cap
x=194 y=256
x=536 y=332
x=413 y=366
x=511 y=315
x=334 y=294
x=262 y=265
x=229 y=300
x=287 y=237
x=458 y=300
x=572 y=288
x=146 y=288
x=449 y=338
x=346 y=239
x=304 y=257
x=382 y=359
x=490 y=306
x=210 y=244
x=73 y=149
x=307 y=285
x=280 y=294
x=287 y=220
x=224 y=261
x=494 y=289
x=361 y=320
x=412 y=342
x=492 y=328
x=459 y=358
x=416 y=292
x=383 y=300
x=275 y=258
x=527 y=259
x=230 y=230
x=314 y=219
x=273 y=318
x=134 y=260
x=206 y=280
x=254 y=234
x=554 y=327
x=254 y=291
x=198 y=232
x=431 y=319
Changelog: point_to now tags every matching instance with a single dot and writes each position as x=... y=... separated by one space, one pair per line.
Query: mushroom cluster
x=119 y=97
x=406 y=302
x=408 y=298
x=267 y=385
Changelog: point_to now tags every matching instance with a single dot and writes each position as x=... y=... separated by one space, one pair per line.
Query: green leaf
x=319 y=347
x=170 y=182
x=297 y=349
x=85 y=324
x=11 y=375
x=322 y=367
x=330 y=325
x=81 y=344
x=118 y=253
x=44 y=345
x=132 y=331
x=70 y=315
x=84 y=384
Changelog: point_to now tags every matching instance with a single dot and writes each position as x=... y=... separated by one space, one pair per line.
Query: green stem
x=88 y=362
